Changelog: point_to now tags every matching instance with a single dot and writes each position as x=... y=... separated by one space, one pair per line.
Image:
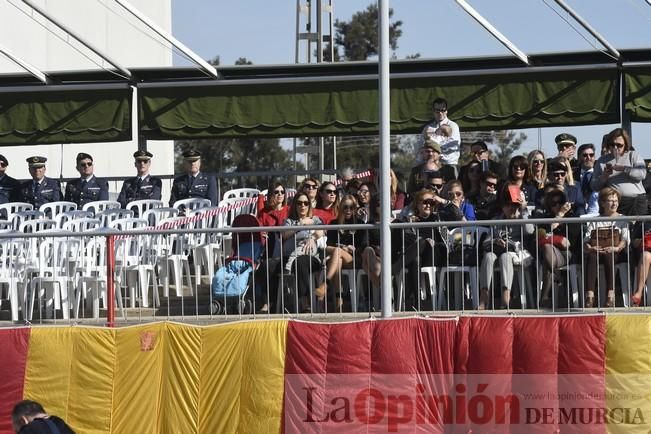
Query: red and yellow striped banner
x=579 y=374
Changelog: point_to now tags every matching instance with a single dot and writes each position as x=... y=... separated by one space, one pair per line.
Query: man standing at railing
x=194 y=183
x=143 y=186
x=40 y=190
x=8 y=186
x=87 y=188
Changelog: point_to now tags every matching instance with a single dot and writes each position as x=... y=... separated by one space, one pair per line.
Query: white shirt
x=450 y=148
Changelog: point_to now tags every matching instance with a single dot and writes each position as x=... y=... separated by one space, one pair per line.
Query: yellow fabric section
x=179 y=402
x=628 y=373
x=47 y=374
x=91 y=380
x=242 y=377
x=138 y=377
x=70 y=371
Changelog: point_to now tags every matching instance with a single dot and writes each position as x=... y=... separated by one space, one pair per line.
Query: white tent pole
x=87 y=44
x=492 y=30
x=169 y=38
x=25 y=65
x=385 y=158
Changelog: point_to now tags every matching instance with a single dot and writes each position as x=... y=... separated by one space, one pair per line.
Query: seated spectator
x=641 y=244
x=431 y=163
x=352 y=186
x=364 y=193
x=397 y=195
x=557 y=241
x=566 y=145
x=310 y=186
x=371 y=262
x=471 y=180
x=560 y=176
x=344 y=247
x=300 y=248
x=624 y=170
x=275 y=208
x=505 y=244
x=603 y=243
x=518 y=174
x=456 y=199
x=583 y=175
x=417 y=247
x=327 y=203
x=479 y=152
x=486 y=205
x=537 y=177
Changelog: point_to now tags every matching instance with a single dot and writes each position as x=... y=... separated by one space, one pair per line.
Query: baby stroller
x=231 y=283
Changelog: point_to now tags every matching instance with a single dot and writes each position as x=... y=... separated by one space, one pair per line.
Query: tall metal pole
x=385 y=158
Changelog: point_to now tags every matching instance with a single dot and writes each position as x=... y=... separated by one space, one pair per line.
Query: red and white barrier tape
x=364 y=174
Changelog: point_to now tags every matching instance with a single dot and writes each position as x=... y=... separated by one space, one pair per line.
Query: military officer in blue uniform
x=143 y=186
x=87 y=188
x=194 y=183
x=41 y=189
x=8 y=186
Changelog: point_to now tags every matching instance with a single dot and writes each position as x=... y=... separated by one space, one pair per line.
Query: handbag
x=554 y=240
x=605 y=237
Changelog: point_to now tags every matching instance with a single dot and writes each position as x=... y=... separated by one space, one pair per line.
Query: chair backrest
x=101 y=205
x=140 y=206
x=80 y=225
x=231 y=209
x=22 y=216
x=240 y=193
x=125 y=224
x=109 y=215
x=7 y=210
x=64 y=217
x=191 y=204
x=177 y=243
x=155 y=215
x=52 y=209
x=39 y=225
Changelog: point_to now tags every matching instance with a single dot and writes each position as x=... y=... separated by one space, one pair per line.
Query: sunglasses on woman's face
x=279 y=192
x=329 y=191
x=429 y=202
x=348 y=207
x=302 y=203
x=538 y=161
x=519 y=167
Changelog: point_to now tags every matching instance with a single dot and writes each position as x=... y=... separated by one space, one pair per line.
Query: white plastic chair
x=469 y=236
x=22 y=216
x=108 y=216
x=185 y=206
x=82 y=225
x=64 y=217
x=241 y=193
x=140 y=206
x=132 y=256
x=53 y=209
x=11 y=271
x=174 y=256
x=56 y=259
x=40 y=225
x=101 y=205
x=7 y=210
x=207 y=248
x=155 y=215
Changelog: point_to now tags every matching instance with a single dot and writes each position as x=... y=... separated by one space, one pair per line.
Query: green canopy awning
x=324 y=105
x=65 y=114
x=638 y=94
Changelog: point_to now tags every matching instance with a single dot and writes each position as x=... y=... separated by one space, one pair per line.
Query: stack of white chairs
x=64 y=217
x=155 y=215
x=108 y=216
x=11 y=271
x=241 y=193
x=18 y=218
x=173 y=254
x=207 y=247
x=185 y=206
x=133 y=258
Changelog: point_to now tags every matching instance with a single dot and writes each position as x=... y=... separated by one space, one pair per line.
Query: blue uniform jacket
x=81 y=194
x=9 y=188
x=204 y=187
x=50 y=191
x=150 y=188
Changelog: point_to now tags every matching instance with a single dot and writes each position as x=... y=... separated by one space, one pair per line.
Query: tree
x=359 y=37
x=503 y=144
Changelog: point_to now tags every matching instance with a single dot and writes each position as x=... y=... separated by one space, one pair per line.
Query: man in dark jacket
x=8 y=186
x=194 y=183
x=143 y=186
x=29 y=417
x=88 y=187
x=41 y=189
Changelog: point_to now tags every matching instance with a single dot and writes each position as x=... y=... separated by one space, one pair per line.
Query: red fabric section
x=13 y=358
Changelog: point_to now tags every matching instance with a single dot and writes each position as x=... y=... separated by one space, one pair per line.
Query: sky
x=264 y=31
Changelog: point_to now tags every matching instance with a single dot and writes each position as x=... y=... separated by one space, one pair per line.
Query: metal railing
x=109 y=277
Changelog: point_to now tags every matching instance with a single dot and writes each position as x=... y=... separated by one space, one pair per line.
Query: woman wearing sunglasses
x=275 y=208
x=327 y=203
x=344 y=248
x=537 y=176
x=300 y=249
x=624 y=170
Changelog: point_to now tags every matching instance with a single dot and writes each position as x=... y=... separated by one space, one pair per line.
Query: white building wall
x=110 y=29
